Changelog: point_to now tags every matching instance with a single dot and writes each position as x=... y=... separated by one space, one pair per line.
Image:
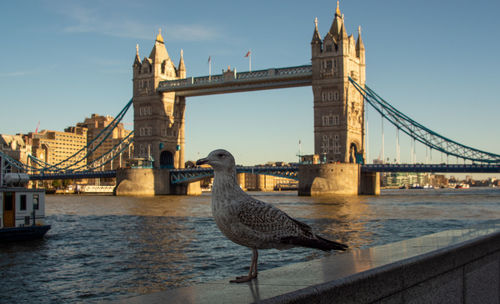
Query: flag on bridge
x=249 y=56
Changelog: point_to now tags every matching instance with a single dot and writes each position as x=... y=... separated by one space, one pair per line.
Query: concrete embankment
x=455 y=266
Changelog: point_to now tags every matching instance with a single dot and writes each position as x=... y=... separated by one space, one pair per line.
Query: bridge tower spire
x=338 y=107
x=158 y=117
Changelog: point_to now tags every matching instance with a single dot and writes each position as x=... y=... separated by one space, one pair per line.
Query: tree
x=56 y=183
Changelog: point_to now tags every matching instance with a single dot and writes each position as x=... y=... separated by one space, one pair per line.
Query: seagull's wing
x=274 y=228
x=264 y=218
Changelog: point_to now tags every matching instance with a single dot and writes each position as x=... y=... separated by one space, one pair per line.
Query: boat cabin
x=21 y=207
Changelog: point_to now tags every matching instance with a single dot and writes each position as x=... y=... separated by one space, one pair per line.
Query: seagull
x=252 y=223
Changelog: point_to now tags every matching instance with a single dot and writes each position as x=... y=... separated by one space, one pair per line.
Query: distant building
x=259 y=182
x=15 y=147
x=54 y=147
x=398 y=179
x=95 y=125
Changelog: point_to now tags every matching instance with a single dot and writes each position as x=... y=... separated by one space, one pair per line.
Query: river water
x=108 y=248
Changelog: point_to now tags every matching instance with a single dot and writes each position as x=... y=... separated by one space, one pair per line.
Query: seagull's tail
x=331 y=245
x=317 y=243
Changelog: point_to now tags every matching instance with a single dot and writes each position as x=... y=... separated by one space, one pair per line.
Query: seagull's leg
x=255 y=256
x=252 y=274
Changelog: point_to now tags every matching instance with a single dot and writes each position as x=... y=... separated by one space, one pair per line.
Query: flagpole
x=250 y=62
x=209 y=68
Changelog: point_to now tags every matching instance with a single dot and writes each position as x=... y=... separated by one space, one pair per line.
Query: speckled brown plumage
x=253 y=223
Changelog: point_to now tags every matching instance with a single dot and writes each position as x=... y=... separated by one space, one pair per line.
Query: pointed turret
x=343 y=33
x=181 y=69
x=337 y=24
x=137 y=59
x=316 y=43
x=359 y=43
x=159 y=52
x=160 y=60
x=316 y=36
x=360 y=51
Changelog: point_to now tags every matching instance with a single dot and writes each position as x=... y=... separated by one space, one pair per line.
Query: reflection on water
x=106 y=247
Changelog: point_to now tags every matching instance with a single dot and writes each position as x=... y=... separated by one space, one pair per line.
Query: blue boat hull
x=23 y=233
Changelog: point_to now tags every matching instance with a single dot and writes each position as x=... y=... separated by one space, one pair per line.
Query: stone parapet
x=455 y=266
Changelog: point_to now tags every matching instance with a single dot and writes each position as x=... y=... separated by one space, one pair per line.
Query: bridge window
x=336 y=120
x=329 y=64
x=336 y=144
x=144 y=111
x=328 y=47
x=326 y=120
x=330 y=95
x=336 y=149
x=336 y=95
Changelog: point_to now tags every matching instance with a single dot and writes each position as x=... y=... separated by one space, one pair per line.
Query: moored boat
x=22 y=210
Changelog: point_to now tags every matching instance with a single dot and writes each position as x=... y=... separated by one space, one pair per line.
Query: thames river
x=108 y=248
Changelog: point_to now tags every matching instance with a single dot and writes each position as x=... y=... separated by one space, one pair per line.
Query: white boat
x=22 y=210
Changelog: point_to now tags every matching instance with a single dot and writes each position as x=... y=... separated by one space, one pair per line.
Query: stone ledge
x=443 y=265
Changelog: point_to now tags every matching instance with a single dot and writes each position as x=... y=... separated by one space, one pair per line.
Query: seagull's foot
x=243 y=279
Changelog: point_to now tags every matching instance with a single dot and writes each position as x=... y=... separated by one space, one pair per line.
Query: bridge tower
x=158 y=116
x=338 y=107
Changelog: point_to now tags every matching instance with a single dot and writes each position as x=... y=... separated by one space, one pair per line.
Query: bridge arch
x=166 y=160
x=355 y=155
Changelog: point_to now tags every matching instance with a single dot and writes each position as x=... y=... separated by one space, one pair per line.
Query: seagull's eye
x=221 y=155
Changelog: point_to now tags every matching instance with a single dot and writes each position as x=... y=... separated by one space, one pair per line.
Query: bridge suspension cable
x=85 y=152
x=422 y=134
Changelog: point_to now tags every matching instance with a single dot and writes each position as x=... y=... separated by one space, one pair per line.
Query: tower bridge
x=161 y=88
x=337 y=78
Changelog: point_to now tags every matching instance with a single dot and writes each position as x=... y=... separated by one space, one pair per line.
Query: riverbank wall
x=455 y=266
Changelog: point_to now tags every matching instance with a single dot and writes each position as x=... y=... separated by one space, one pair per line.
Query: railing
x=431 y=168
x=178 y=176
x=74 y=175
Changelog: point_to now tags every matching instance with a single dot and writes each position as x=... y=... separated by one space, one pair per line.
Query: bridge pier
x=337 y=179
x=369 y=183
x=193 y=188
x=149 y=182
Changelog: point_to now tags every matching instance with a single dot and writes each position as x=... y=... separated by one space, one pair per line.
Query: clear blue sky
x=436 y=61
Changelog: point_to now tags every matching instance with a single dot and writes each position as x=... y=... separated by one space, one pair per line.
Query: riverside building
x=53 y=147
x=95 y=125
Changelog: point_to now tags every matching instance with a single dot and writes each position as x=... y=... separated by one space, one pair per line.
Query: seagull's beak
x=202 y=161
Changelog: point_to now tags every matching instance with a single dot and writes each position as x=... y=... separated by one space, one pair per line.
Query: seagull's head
x=220 y=160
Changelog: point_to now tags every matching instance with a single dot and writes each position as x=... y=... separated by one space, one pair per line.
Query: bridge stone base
x=337 y=179
x=149 y=182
